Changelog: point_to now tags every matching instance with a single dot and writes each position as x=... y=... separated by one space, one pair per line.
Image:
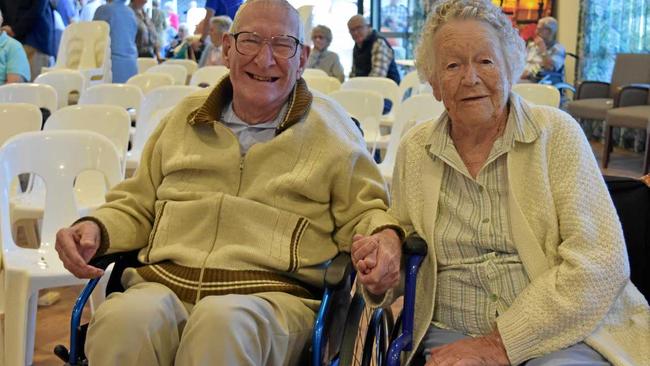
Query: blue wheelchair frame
x=333 y=336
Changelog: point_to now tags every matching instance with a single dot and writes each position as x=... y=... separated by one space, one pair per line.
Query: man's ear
x=226 y=45
x=304 y=55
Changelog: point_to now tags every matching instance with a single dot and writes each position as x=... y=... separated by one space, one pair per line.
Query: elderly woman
x=527 y=261
x=320 y=57
x=545 y=54
x=211 y=55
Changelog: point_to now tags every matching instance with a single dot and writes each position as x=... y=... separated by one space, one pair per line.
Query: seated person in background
x=372 y=54
x=526 y=262
x=545 y=55
x=177 y=40
x=14 y=66
x=212 y=54
x=243 y=194
x=320 y=57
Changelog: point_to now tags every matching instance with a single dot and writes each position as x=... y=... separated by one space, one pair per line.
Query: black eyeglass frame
x=269 y=41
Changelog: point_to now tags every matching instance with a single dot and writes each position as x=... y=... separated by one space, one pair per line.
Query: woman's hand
x=377 y=259
x=481 y=351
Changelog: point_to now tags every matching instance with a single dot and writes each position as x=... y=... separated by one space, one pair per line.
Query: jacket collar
x=212 y=109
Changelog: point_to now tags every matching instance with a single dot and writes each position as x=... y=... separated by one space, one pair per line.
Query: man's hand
x=481 y=351
x=377 y=260
x=541 y=45
x=76 y=245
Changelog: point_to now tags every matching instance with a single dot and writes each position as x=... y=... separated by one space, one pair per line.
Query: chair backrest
x=409 y=81
x=384 y=86
x=629 y=68
x=110 y=121
x=413 y=110
x=16 y=118
x=208 y=75
x=40 y=95
x=157 y=99
x=144 y=63
x=178 y=72
x=538 y=93
x=312 y=72
x=324 y=84
x=366 y=106
x=150 y=80
x=64 y=82
x=190 y=65
x=122 y=95
x=62 y=156
x=84 y=45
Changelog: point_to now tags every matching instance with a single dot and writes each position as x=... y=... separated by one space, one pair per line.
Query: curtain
x=608 y=27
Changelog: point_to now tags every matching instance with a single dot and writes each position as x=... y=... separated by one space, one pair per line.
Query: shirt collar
x=299 y=103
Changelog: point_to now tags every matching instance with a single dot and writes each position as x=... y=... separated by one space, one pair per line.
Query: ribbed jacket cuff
x=377 y=301
x=104 y=241
x=517 y=336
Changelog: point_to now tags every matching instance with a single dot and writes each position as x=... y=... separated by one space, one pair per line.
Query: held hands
x=481 y=351
x=377 y=260
x=76 y=245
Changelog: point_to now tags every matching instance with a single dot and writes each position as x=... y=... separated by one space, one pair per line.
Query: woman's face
x=320 y=42
x=470 y=74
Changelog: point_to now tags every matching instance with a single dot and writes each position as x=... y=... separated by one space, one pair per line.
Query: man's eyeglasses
x=250 y=44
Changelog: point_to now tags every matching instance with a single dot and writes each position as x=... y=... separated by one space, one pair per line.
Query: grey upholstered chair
x=594 y=98
x=633 y=111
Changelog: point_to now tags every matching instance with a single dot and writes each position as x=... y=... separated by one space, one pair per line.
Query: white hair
x=512 y=45
x=221 y=22
x=283 y=3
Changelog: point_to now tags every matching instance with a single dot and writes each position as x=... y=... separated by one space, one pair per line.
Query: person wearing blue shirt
x=14 y=66
x=124 y=53
x=216 y=8
x=31 y=23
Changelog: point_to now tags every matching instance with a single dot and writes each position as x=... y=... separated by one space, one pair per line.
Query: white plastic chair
x=86 y=46
x=150 y=80
x=62 y=155
x=178 y=72
x=384 y=86
x=411 y=81
x=190 y=65
x=145 y=63
x=324 y=84
x=366 y=106
x=16 y=118
x=538 y=93
x=416 y=109
x=312 y=72
x=40 y=95
x=165 y=97
x=112 y=122
x=126 y=96
x=208 y=75
x=64 y=82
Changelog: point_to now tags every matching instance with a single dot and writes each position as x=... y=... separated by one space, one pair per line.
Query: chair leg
x=608 y=145
x=20 y=319
x=646 y=158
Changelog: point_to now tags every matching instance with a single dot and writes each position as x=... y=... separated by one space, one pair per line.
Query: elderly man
x=244 y=192
x=14 y=66
x=545 y=54
x=372 y=55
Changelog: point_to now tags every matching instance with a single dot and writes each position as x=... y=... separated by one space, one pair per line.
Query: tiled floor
x=53 y=321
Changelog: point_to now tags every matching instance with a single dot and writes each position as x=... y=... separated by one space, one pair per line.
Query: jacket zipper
x=154 y=231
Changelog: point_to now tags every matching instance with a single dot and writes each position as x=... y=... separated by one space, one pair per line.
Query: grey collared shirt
x=249 y=135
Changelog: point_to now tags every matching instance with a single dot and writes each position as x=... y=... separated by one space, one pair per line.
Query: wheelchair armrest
x=632 y=94
x=338 y=271
x=593 y=89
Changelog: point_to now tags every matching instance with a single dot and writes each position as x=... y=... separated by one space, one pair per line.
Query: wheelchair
x=333 y=337
x=631 y=199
